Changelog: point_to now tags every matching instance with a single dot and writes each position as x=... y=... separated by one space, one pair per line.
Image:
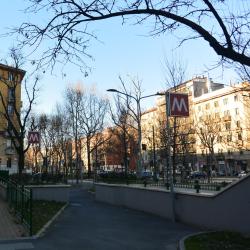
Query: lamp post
x=138 y=119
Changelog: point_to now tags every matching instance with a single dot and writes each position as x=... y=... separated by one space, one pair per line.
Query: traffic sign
x=33 y=137
x=178 y=104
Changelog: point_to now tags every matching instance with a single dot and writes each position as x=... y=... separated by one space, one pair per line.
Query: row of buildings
x=215 y=136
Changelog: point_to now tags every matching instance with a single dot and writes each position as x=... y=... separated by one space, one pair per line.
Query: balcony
x=9 y=151
x=227 y=118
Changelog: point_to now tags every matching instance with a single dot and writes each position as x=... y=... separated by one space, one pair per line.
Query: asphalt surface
x=90 y=225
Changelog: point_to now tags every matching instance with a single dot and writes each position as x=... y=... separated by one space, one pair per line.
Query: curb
x=46 y=226
x=181 y=245
x=41 y=231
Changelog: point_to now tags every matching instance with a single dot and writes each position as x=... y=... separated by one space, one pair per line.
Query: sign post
x=176 y=106
x=34 y=137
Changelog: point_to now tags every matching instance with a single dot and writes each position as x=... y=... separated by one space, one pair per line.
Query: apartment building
x=216 y=135
x=222 y=116
x=10 y=88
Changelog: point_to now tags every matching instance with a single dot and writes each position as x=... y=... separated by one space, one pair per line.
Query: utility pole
x=154 y=154
x=169 y=167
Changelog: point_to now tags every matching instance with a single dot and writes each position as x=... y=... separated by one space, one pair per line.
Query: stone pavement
x=9 y=229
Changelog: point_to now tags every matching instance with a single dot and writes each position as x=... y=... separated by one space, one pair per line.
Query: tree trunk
x=125 y=154
x=20 y=162
x=88 y=156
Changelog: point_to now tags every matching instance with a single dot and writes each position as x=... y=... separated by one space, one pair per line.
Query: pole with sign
x=176 y=106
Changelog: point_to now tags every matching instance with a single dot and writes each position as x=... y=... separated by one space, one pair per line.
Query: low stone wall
x=51 y=192
x=226 y=210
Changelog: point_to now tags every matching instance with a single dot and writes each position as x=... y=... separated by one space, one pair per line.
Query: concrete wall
x=51 y=192
x=227 y=210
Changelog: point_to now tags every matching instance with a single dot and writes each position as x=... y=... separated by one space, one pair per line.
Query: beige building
x=216 y=135
x=10 y=88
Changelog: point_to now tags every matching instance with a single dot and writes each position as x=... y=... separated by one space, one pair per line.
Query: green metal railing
x=20 y=201
x=4 y=174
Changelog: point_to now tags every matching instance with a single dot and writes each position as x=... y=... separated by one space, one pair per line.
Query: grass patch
x=43 y=211
x=218 y=241
x=92 y=190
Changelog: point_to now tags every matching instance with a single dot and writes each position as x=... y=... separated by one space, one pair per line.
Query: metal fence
x=188 y=184
x=20 y=202
x=4 y=174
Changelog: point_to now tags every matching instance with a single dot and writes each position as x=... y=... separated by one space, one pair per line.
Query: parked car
x=242 y=174
x=221 y=173
x=197 y=175
x=146 y=174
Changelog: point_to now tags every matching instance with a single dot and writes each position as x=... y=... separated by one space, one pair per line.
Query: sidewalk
x=9 y=229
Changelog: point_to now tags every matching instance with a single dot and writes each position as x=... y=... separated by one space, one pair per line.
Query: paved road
x=90 y=225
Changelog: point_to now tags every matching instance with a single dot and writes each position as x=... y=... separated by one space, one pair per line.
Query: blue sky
x=123 y=50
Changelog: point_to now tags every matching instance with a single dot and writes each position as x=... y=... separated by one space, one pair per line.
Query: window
x=11 y=76
x=11 y=94
x=239 y=136
x=228 y=125
x=225 y=101
x=216 y=104
x=9 y=162
x=219 y=139
x=229 y=138
x=226 y=113
x=207 y=106
x=8 y=143
x=229 y=151
x=236 y=111
x=218 y=127
x=10 y=109
x=236 y=98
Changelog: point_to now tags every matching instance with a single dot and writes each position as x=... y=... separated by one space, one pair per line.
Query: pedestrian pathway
x=91 y=225
x=9 y=228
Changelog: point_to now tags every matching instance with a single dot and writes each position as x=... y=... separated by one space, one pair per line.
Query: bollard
x=197 y=186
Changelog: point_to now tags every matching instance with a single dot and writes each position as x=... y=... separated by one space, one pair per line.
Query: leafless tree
x=208 y=131
x=19 y=119
x=121 y=118
x=92 y=120
x=132 y=97
x=224 y=25
x=73 y=105
x=43 y=127
x=62 y=142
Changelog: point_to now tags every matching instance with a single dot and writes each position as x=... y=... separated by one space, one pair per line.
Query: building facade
x=215 y=136
x=10 y=103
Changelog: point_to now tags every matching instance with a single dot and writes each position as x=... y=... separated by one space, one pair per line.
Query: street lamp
x=138 y=106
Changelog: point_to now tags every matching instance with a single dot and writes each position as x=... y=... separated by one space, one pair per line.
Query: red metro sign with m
x=34 y=137
x=178 y=104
